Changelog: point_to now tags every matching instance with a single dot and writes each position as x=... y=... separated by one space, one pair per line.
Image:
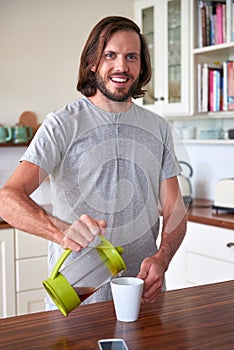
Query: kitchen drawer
x=208 y=257
x=31 y=301
x=210 y=241
x=202 y=269
x=28 y=245
x=30 y=273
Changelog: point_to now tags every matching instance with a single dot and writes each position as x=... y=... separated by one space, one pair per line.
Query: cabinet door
x=28 y=246
x=31 y=270
x=30 y=273
x=205 y=256
x=30 y=302
x=7 y=273
x=165 y=25
x=209 y=254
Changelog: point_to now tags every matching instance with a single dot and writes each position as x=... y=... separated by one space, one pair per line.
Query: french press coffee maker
x=75 y=282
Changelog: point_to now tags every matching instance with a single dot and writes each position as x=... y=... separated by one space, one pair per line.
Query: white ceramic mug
x=127 y=294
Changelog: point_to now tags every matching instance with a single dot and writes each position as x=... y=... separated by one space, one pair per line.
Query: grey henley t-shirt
x=107 y=165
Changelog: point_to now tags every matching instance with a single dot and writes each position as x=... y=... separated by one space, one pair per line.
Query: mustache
x=122 y=74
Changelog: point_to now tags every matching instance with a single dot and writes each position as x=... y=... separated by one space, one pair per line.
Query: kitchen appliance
x=83 y=276
x=184 y=182
x=231 y=133
x=224 y=195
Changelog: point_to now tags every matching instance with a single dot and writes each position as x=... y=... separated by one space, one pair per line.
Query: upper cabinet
x=187 y=39
x=165 y=24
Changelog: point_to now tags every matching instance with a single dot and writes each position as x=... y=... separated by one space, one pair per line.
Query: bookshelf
x=210 y=55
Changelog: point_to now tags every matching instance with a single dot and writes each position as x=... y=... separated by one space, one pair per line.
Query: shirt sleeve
x=45 y=149
x=170 y=163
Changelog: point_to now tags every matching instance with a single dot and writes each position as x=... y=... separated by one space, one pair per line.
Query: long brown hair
x=93 y=49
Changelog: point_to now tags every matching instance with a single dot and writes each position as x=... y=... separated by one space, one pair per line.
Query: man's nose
x=121 y=64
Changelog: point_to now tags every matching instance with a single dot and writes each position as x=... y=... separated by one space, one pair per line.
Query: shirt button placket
x=120 y=143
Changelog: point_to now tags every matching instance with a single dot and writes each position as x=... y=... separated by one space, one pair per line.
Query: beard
x=121 y=95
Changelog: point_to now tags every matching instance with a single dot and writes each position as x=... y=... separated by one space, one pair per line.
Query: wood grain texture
x=200 y=317
x=201 y=212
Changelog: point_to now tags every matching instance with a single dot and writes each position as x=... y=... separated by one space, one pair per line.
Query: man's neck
x=108 y=105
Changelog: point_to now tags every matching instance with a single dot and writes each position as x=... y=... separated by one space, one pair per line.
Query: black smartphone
x=112 y=344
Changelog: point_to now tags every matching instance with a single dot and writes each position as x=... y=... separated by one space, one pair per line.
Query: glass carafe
x=75 y=282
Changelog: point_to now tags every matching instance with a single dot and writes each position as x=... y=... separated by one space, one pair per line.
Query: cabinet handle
x=230 y=245
x=159 y=99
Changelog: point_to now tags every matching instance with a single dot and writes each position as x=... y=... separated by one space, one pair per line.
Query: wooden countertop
x=201 y=211
x=199 y=317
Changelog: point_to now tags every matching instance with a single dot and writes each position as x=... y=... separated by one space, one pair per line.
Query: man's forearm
x=171 y=241
x=21 y=212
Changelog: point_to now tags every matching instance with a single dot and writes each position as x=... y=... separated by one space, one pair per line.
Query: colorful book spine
x=229 y=21
x=211 y=91
x=230 y=97
x=219 y=23
x=199 y=88
x=232 y=22
x=205 y=88
x=225 y=87
x=217 y=87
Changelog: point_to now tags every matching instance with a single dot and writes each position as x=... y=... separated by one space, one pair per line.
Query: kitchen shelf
x=207 y=142
x=226 y=48
x=204 y=116
x=11 y=144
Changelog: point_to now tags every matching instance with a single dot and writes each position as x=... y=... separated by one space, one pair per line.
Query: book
x=232 y=22
x=205 y=87
x=214 y=90
x=199 y=87
x=225 y=87
x=224 y=22
x=219 y=23
x=199 y=24
x=203 y=25
x=229 y=20
x=211 y=91
x=230 y=86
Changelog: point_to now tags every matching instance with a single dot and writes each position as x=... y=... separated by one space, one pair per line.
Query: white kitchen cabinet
x=7 y=273
x=30 y=301
x=165 y=24
x=31 y=270
x=23 y=259
x=205 y=256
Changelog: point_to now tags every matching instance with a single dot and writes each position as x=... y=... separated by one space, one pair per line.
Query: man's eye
x=109 y=55
x=132 y=57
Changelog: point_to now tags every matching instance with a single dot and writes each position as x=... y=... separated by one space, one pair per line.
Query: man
x=111 y=163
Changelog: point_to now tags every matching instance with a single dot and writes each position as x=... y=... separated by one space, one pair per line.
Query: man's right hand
x=82 y=232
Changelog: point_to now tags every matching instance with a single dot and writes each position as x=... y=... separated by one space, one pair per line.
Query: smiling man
x=111 y=164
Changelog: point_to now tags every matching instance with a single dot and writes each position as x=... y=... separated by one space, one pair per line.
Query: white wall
x=41 y=42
